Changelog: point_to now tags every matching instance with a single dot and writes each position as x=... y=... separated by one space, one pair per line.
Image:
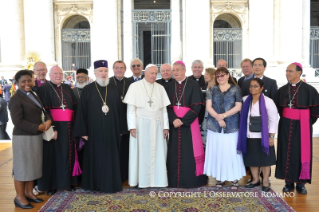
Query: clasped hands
x=45 y=126
x=220 y=119
x=177 y=123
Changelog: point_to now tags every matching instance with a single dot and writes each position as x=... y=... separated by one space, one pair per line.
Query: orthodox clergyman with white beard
x=81 y=81
x=98 y=122
x=147 y=121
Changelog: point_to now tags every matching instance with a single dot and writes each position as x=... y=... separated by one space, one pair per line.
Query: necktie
x=137 y=79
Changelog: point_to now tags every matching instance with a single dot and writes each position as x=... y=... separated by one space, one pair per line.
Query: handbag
x=255 y=123
x=48 y=135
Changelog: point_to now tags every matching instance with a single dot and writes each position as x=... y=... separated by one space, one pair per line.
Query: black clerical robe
x=164 y=82
x=58 y=155
x=202 y=84
x=101 y=159
x=180 y=157
x=77 y=93
x=122 y=86
x=288 y=164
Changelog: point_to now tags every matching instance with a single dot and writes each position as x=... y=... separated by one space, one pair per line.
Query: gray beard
x=102 y=83
x=81 y=85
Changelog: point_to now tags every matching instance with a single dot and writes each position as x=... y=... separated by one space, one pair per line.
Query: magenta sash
x=198 y=148
x=60 y=115
x=305 y=144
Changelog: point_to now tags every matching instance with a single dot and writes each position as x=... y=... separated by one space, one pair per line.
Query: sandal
x=234 y=185
x=36 y=191
x=220 y=184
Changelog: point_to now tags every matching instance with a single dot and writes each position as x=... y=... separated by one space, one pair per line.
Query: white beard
x=81 y=85
x=102 y=83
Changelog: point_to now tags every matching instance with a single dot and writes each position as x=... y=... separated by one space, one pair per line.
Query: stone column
x=128 y=6
x=176 y=42
x=305 y=32
x=261 y=29
x=39 y=29
x=104 y=39
x=291 y=33
x=12 y=36
x=197 y=33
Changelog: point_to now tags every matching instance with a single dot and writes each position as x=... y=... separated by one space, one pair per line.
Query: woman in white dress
x=223 y=103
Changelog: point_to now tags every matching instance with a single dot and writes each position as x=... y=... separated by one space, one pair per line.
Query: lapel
x=27 y=99
x=266 y=86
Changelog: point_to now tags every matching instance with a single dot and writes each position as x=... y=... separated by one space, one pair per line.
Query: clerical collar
x=26 y=93
x=295 y=83
x=180 y=82
x=167 y=80
x=251 y=76
x=119 y=79
x=260 y=77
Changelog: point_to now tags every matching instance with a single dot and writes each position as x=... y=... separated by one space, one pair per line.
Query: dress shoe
x=36 y=200
x=288 y=188
x=18 y=204
x=301 y=190
x=249 y=181
x=51 y=192
x=265 y=188
x=252 y=185
x=73 y=188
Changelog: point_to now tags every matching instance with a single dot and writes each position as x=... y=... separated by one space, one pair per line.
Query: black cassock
x=180 y=157
x=288 y=164
x=58 y=155
x=77 y=92
x=164 y=82
x=101 y=158
x=125 y=138
x=202 y=84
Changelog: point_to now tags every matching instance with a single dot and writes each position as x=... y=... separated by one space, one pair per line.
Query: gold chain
x=123 y=85
x=100 y=93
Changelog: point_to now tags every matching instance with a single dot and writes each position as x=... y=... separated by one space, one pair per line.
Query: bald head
x=222 y=63
x=166 y=71
x=56 y=75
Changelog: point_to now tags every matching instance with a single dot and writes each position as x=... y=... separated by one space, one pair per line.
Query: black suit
x=241 y=81
x=270 y=87
x=35 y=88
x=132 y=78
x=4 y=119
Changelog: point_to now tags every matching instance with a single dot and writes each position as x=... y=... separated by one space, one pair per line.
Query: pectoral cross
x=290 y=105
x=62 y=106
x=178 y=104
x=150 y=102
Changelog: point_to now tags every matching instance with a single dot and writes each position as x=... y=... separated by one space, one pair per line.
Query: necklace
x=150 y=101
x=179 y=100
x=61 y=99
x=122 y=96
x=105 y=108
x=290 y=100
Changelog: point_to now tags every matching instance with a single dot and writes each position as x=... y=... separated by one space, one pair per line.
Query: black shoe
x=18 y=204
x=252 y=185
x=249 y=181
x=265 y=188
x=301 y=190
x=51 y=192
x=36 y=200
x=73 y=188
x=288 y=188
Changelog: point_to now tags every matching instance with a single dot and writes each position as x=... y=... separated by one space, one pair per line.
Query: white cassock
x=148 y=151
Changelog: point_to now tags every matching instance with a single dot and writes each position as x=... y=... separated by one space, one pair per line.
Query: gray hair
x=38 y=62
x=198 y=61
x=137 y=60
x=183 y=67
x=55 y=67
x=149 y=66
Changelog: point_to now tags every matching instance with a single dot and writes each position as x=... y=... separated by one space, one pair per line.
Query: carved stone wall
x=63 y=10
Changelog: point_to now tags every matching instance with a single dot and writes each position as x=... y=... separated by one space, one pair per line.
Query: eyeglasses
x=81 y=77
x=137 y=65
x=254 y=86
x=220 y=76
x=39 y=70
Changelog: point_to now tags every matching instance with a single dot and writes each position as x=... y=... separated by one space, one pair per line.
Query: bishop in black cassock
x=185 y=154
x=298 y=107
x=98 y=121
x=58 y=154
x=122 y=83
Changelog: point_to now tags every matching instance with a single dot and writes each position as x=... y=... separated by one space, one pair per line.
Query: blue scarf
x=242 y=134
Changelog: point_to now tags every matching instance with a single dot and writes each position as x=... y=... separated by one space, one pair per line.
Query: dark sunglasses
x=138 y=65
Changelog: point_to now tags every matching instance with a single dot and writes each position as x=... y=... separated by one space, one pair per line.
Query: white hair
x=198 y=62
x=149 y=66
x=36 y=63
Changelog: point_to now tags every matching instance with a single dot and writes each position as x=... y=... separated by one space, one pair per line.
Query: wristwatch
x=271 y=136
